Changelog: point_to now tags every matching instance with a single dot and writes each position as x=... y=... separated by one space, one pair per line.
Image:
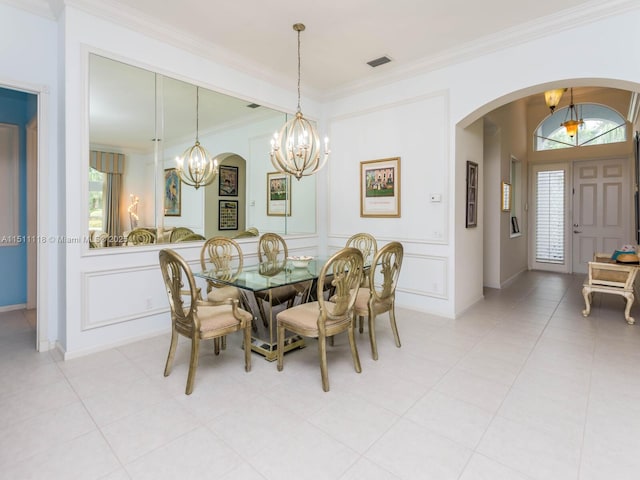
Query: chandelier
x=572 y=121
x=296 y=149
x=201 y=169
x=552 y=98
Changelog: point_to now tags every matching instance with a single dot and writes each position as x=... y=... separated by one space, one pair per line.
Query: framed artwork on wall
x=472 y=195
x=172 y=193
x=380 y=188
x=227 y=181
x=515 y=228
x=278 y=194
x=227 y=215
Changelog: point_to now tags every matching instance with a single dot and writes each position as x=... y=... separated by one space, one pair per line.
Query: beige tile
x=410 y=451
x=136 y=435
x=483 y=468
x=197 y=454
x=534 y=452
x=460 y=421
x=354 y=421
x=84 y=458
x=39 y=433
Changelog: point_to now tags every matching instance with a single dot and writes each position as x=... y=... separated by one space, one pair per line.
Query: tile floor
x=520 y=387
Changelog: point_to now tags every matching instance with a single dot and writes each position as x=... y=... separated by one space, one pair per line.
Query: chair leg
x=172 y=353
x=394 y=326
x=322 y=350
x=216 y=346
x=627 y=310
x=247 y=347
x=586 y=293
x=280 y=345
x=361 y=329
x=193 y=364
x=223 y=342
x=354 y=349
x=372 y=336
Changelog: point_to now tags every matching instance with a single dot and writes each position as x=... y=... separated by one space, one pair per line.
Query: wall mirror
x=139 y=121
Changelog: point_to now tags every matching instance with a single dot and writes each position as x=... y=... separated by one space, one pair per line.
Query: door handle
x=577 y=231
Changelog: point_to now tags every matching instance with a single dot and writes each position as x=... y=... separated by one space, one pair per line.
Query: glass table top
x=269 y=275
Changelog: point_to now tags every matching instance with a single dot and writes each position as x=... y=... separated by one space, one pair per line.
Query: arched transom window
x=601 y=125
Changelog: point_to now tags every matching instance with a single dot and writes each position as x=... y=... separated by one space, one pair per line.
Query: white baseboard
x=10 y=308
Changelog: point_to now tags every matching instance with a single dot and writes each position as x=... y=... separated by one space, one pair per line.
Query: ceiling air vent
x=253 y=105
x=379 y=61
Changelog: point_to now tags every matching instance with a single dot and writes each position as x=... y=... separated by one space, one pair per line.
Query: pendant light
x=571 y=125
x=552 y=98
x=201 y=170
x=296 y=149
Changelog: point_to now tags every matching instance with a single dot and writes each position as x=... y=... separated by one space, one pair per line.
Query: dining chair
x=223 y=257
x=141 y=236
x=272 y=255
x=178 y=233
x=192 y=237
x=380 y=294
x=197 y=319
x=323 y=318
x=249 y=232
x=366 y=243
x=368 y=246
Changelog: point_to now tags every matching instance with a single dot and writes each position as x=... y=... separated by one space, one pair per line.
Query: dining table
x=266 y=277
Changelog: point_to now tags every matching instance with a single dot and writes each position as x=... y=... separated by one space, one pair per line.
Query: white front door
x=601 y=209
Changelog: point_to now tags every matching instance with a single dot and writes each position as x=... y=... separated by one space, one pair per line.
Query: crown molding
x=126 y=16
x=558 y=22
x=122 y=14
x=42 y=8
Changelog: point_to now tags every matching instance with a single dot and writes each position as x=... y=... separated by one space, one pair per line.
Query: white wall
x=398 y=129
x=32 y=65
x=511 y=121
x=423 y=119
x=129 y=275
x=492 y=239
x=475 y=87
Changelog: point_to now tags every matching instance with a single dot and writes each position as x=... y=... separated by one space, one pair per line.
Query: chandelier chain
x=298 y=70
x=197 y=113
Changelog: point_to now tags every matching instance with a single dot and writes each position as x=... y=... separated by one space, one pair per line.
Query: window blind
x=550 y=216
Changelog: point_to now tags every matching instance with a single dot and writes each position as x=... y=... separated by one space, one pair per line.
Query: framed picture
x=228 y=215
x=515 y=228
x=172 y=193
x=472 y=195
x=278 y=194
x=380 y=188
x=227 y=181
x=506 y=197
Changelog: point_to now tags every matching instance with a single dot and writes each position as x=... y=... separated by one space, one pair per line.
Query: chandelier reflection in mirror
x=201 y=170
x=296 y=149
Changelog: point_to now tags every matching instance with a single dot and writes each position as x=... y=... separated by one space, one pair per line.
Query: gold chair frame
x=192 y=237
x=272 y=255
x=197 y=319
x=141 y=236
x=380 y=294
x=178 y=233
x=324 y=318
x=223 y=256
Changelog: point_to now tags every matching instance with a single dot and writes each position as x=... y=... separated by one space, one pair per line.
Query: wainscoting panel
x=424 y=275
x=121 y=295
